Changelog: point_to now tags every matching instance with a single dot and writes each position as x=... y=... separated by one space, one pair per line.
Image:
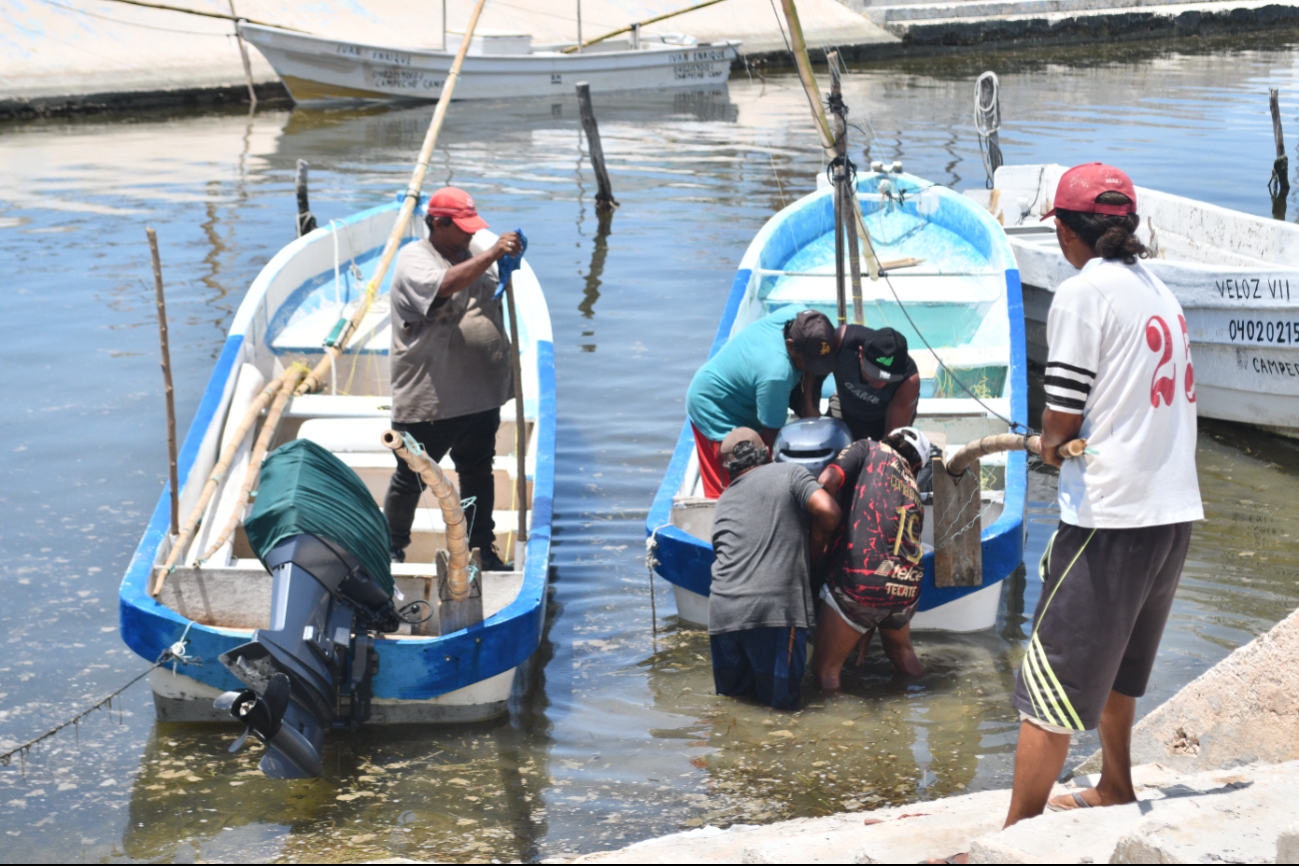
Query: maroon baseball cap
x=459 y=206
x=1081 y=185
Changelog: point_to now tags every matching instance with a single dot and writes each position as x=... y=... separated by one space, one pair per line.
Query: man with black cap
x=877 y=384
x=450 y=362
x=769 y=525
x=748 y=384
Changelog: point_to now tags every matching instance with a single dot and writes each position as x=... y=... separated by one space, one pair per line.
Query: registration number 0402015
x=1275 y=331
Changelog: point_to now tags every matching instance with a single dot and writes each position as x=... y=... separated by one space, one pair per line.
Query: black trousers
x=471 y=439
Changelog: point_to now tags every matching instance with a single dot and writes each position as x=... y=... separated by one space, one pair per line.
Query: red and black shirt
x=875 y=557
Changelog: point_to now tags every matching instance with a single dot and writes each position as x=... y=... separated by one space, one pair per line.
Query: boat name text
x=349 y=50
x=1263 y=331
x=1250 y=288
x=1275 y=368
x=696 y=56
x=390 y=57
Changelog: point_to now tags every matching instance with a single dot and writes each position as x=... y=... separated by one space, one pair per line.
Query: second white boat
x=497 y=66
x=1235 y=274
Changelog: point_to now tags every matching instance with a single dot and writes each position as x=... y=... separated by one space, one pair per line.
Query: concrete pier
x=1217 y=782
x=97 y=54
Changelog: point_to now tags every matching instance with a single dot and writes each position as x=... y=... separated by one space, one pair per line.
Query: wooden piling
x=604 y=199
x=168 y=390
x=306 y=221
x=1279 y=185
x=243 y=52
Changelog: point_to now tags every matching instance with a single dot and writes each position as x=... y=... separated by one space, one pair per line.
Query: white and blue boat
x=960 y=305
x=215 y=605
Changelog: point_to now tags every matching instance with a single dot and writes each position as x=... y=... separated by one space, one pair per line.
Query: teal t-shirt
x=747 y=383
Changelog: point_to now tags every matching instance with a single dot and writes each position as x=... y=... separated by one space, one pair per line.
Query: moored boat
x=211 y=606
x=1236 y=276
x=497 y=66
x=962 y=299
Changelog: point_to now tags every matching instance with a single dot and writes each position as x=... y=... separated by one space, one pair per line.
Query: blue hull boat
x=960 y=304
x=215 y=604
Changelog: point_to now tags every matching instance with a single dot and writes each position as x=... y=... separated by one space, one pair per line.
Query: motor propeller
x=262 y=715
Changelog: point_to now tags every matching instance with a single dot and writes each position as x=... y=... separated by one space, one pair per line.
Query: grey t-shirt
x=450 y=357
x=760 y=538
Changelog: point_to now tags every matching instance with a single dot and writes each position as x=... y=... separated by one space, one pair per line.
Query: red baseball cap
x=1081 y=185
x=459 y=206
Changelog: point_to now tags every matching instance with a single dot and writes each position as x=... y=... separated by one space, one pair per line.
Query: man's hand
x=507 y=244
x=1057 y=429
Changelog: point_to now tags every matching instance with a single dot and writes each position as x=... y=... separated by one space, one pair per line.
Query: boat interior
x=227 y=587
x=943 y=287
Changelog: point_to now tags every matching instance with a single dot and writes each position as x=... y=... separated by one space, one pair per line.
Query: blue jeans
x=762 y=663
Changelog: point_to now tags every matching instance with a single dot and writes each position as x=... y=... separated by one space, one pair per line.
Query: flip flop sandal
x=1078 y=800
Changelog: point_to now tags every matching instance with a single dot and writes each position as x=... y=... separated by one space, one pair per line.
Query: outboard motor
x=319 y=533
x=812 y=442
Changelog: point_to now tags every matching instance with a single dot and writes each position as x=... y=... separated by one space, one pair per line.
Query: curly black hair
x=1112 y=236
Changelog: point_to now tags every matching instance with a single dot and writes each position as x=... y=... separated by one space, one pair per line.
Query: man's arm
x=1057 y=429
x=902 y=408
x=811 y=407
x=769 y=435
x=825 y=519
x=831 y=479
x=462 y=276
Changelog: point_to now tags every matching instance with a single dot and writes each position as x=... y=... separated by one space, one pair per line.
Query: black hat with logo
x=813 y=338
x=884 y=356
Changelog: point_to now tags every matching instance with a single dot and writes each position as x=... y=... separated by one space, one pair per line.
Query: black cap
x=813 y=337
x=884 y=356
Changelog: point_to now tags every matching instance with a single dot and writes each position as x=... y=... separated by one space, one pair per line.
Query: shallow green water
x=613 y=734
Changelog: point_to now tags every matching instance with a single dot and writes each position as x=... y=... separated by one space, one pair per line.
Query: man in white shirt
x=1120 y=375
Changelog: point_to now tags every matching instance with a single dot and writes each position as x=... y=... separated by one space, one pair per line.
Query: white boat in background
x=1235 y=274
x=498 y=65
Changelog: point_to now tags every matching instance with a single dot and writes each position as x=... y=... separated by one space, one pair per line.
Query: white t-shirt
x=1119 y=355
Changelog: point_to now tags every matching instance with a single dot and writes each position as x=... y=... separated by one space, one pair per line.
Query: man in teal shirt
x=748 y=383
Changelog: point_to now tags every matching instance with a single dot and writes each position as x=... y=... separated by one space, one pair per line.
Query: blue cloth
x=747 y=383
x=507 y=265
x=762 y=663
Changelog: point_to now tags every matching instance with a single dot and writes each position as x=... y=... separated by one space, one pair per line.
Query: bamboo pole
x=805 y=75
x=332 y=353
x=243 y=52
x=214 y=479
x=1008 y=442
x=520 y=430
x=452 y=512
x=270 y=427
x=168 y=390
x=573 y=49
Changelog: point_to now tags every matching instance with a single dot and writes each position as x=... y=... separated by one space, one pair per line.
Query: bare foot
x=955 y=858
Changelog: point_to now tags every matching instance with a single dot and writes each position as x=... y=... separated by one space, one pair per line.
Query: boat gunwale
x=509 y=636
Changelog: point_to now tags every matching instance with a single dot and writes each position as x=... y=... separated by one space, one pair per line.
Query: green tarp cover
x=305 y=489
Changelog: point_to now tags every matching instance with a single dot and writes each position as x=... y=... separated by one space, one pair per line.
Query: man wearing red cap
x=450 y=362
x=1119 y=374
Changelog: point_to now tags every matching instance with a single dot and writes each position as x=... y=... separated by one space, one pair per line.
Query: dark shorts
x=1106 y=594
x=766 y=664
x=862 y=618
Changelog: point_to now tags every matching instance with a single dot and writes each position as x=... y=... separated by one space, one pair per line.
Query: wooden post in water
x=604 y=199
x=168 y=390
x=1279 y=185
x=243 y=52
x=306 y=222
x=845 y=198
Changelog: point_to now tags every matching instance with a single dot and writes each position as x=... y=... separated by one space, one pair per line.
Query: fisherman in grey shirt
x=760 y=605
x=450 y=364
